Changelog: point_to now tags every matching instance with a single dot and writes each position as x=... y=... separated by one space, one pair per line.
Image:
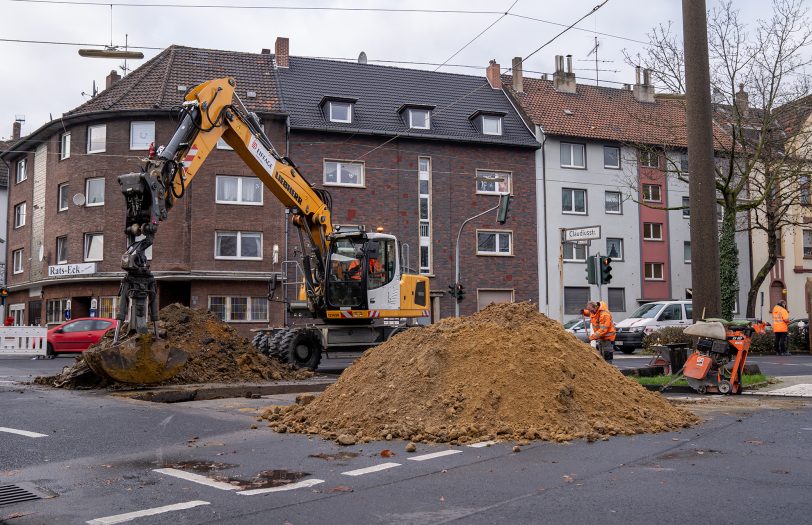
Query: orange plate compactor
x=718 y=362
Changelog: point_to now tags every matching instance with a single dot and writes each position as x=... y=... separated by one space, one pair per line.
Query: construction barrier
x=23 y=341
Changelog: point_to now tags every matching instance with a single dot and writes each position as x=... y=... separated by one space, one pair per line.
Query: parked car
x=577 y=327
x=648 y=318
x=78 y=334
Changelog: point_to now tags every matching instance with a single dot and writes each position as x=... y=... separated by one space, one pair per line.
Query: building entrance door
x=777 y=293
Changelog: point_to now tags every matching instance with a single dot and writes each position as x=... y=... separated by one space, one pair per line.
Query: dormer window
x=419 y=118
x=338 y=109
x=488 y=122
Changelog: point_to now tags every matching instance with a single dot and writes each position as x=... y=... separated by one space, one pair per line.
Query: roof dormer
x=488 y=122
x=338 y=109
x=416 y=116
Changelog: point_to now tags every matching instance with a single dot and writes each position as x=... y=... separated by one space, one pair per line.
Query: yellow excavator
x=353 y=280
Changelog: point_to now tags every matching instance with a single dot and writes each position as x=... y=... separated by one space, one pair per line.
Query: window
x=94 y=192
x=239 y=190
x=55 y=310
x=17 y=257
x=96 y=138
x=652 y=231
x=17 y=311
x=239 y=309
x=62 y=197
x=238 y=245
x=672 y=312
x=574 y=252
x=493 y=182
x=651 y=193
x=611 y=158
x=22 y=172
x=572 y=155
x=340 y=111
x=686 y=208
x=612 y=202
x=64 y=146
x=575 y=298
x=419 y=118
x=683 y=163
x=573 y=201
x=616 y=300
x=142 y=134
x=614 y=248
x=650 y=158
x=494 y=243
x=807 y=244
x=720 y=212
x=108 y=306
x=338 y=173
x=491 y=125
x=94 y=247
x=686 y=251
x=654 y=271
x=19 y=215
x=424 y=203
x=61 y=250
x=803 y=193
x=148 y=251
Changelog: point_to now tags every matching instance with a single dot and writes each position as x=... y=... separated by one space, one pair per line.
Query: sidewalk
x=786 y=386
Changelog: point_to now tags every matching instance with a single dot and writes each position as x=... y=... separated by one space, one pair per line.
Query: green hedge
x=759 y=344
x=668 y=335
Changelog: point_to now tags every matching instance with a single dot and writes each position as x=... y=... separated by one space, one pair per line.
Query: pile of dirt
x=217 y=354
x=507 y=372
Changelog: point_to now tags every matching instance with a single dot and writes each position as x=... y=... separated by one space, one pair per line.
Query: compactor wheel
x=301 y=348
x=724 y=387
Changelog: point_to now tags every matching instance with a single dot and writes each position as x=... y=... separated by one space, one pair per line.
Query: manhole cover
x=15 y=494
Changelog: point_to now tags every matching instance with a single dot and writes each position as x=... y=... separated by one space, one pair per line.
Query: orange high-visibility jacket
x=602 y=325
x=780 y=318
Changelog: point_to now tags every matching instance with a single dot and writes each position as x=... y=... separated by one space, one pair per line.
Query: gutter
x=544 y=193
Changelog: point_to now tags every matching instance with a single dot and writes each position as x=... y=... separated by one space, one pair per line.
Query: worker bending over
x=780 y=328
x=603 y=328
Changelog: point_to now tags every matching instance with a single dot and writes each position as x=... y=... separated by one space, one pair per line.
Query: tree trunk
x=758 y=280
x=728 y=263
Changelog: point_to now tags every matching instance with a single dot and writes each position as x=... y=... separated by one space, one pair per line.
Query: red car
x=77 y=335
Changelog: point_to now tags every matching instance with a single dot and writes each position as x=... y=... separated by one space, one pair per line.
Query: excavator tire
x=301 y=348
x=255 y=341
x=274 y=348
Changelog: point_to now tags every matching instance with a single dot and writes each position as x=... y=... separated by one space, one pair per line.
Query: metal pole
x=457 y=251
x=598 y=281
x=702 y=182
x=561 y=277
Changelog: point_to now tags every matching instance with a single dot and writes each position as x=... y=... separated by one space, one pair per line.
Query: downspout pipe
x=544 y=221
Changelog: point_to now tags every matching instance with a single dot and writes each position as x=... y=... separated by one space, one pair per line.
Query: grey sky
x=40 y=79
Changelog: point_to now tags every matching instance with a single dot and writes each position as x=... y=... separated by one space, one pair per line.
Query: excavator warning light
x=379 y=229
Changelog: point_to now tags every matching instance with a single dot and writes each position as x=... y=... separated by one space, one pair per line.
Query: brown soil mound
x=217 y=354
x=507 y=372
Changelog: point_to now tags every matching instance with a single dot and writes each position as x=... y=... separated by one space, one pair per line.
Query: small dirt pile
x=217 y=354
x=506 y=372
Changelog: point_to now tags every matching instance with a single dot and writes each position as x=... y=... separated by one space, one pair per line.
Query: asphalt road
x=771 y=365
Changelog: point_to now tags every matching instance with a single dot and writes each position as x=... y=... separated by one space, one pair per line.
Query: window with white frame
x=683 y=163
x=55 y=310
x=572 y=155
x=650 y=158
x=142 y=134
x=493 y=182
x=652 y=231
x=573 y=201
x=108 y=306
x=652 y=193
x=807 y=239
x=614 y=248
x=64 y=146
x=239 y=190
x=17 y=260
x=94 y=192
x=62 y=197
x=239 y=309
x=339 y=173
x=19 y=215
x=238 y=245
x=94 y=247
x=97 y=138
x=574 y=252
x=424 y=204
x=686 y=208
x=17 y=311
x=613 y=202
x=62 y=249
x=654 y=271
x=494 y=243
x=419 y=118
x=611 y=157
x=686 y=251
x=491 y=125
x=340 y=111
x=22 y=171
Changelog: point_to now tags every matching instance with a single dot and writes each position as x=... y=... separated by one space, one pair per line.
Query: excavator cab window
x=346 y=285
x=381 y=255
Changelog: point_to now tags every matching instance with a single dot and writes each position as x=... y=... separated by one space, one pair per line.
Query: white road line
x=122 y=518
x=196 y=478
x=290 y=486
x=368 y=470
x=482 y=444
x=433 y=455
x=23 y=432
x=806 y=429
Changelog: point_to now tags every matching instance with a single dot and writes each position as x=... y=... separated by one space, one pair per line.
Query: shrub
x=762 y=343
x=668 y=335
x=798 y=339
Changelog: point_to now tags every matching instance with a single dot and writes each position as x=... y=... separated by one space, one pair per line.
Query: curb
x=182 y=393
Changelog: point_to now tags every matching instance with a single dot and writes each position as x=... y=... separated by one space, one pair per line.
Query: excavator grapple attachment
x=141 y=359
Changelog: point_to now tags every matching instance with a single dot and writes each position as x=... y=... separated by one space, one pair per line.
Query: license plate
x=619 y=343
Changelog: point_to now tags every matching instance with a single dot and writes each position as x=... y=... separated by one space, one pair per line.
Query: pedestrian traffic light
x=606 y=270
x=502 y=213
x=591 y=269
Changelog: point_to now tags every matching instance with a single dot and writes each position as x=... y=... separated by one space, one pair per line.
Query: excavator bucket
x=141 y=360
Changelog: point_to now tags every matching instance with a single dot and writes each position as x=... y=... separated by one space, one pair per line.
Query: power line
x=56 y=43
x=545 y=44
x=609 y=35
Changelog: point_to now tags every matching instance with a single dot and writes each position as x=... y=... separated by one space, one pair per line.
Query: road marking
x=433 y=455
x=806 y=429
x=368 y=470
x=482 y=444
x=122 y=518
x=23 y=432
x=196 y=478
x=290 y=486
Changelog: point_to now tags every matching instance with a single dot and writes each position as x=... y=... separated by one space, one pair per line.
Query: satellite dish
x=79 y=199
x=41 y=253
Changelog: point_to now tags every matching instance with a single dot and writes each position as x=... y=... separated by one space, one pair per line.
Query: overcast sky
x=43 y=80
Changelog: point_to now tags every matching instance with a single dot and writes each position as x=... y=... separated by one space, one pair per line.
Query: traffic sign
x=587 y=233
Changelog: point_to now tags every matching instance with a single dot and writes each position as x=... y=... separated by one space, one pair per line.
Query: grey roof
x=382 y=90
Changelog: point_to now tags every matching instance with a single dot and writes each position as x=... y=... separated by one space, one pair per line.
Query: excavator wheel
x=274 y=348
x=301 y=348
x=255 y=341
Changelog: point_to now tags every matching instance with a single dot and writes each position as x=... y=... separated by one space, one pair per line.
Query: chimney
x=282 y=51
x=742 y=104
x=16 y=130
x=643 y=92
x=493 y=73
x=112 y=78
x=518 y=81
x=564 y=82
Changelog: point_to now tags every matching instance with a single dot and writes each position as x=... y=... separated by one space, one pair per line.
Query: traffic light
x=460 y=292
x=606 y=270
x=452 y=290
x=3 y=295
x=502 y=213
x=591 y=269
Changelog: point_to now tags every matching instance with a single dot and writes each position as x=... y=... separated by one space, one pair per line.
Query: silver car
x=576 y=326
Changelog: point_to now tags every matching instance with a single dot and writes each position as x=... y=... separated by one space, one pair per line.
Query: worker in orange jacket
x=780 y=328
x=603 y=328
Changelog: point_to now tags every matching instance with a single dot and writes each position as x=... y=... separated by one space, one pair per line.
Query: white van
x=648 y=318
